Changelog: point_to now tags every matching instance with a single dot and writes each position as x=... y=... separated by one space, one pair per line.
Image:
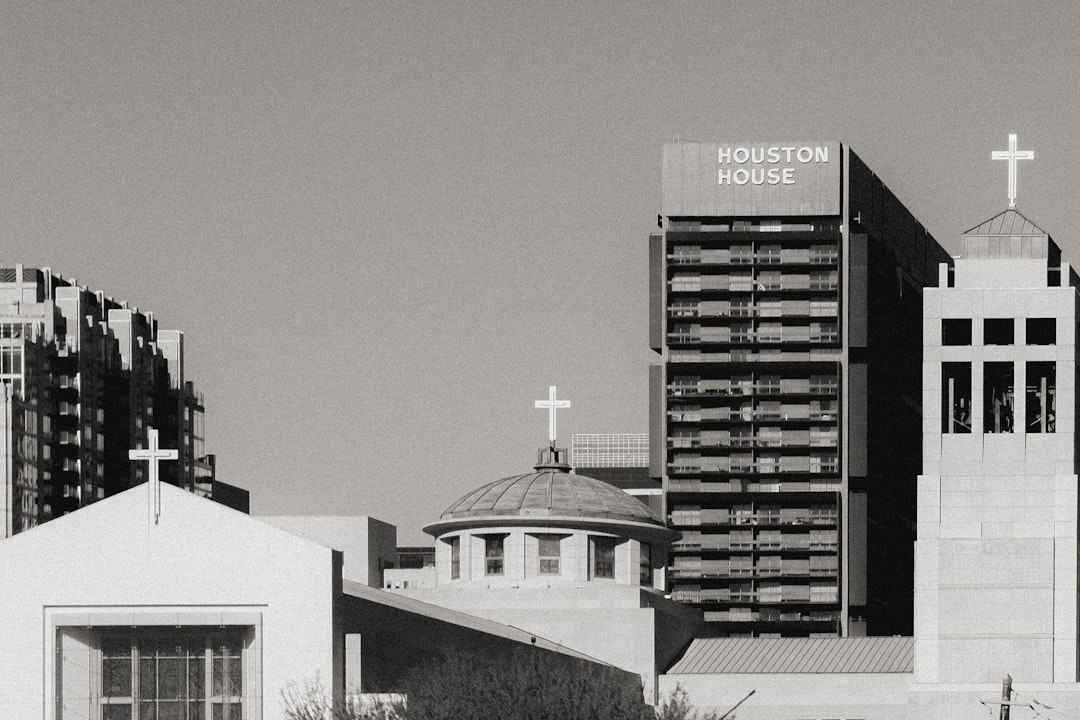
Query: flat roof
x=709 y=656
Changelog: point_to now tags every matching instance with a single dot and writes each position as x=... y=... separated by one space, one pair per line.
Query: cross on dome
x=1012 y=155
x=552 y=406
x=153 y=455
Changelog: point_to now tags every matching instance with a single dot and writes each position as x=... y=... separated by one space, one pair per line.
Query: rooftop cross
x=552 y=406
x=1012 y=155
x=154 y=455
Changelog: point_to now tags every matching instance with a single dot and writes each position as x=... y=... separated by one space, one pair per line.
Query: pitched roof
x=1010 y=223
x=706 y=656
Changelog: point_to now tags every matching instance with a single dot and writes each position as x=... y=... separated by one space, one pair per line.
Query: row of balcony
x=763 y=282
x=726 y=543
x=793 y=444
x=772 y=615
x=823 y=515
x=801 y=594
x=683 y=386
x=759 y=485
x=760 y=354
x=816 y=410
x=749 y=231
x=815 y=334
x=742 y=255
x=772 y=465
x=743 y=308
x=775 y=436
x=754 y=573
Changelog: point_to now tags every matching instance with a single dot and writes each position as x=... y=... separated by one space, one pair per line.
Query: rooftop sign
x=742 y=179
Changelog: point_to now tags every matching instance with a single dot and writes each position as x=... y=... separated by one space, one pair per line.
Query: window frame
x=1042 y=329
x=455 y=557
x=956 y=388
x=492 y=560
x=598 y=543
x=645 y=568
x=955 y=332
x=1041 y=410
x=73 y=642
x=999 y=397
x=994 y=331
x=553 y=560
x=146 y=645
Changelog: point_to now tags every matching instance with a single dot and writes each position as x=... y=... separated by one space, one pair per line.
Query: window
x=683 y=308
x=955 y=397
x=493 y=554
x=998 y=331
x=1041 y=331
x=998 y=397
x=455 y=557
x=11 y=361
x=603 y=557
x=956 y=332
x=645 y=574
x=686 y=282
x=181 y=675
x=683 y=254
x=549 y=554
x=740 y=565
x=1041 y=396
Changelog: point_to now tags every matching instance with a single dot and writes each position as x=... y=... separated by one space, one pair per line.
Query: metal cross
x=153 y=455
x=1012 y=155
x=552 y=405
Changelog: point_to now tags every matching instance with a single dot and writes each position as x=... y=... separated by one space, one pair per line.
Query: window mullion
x=136 y=681
x=208 y=679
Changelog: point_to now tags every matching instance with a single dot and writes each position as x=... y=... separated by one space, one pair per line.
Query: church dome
x=551 y=496
x=551 y=493
x=550 y=526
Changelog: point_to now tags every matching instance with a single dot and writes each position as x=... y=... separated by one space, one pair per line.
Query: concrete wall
x=404 y=578
x=369 y=545
x=976 y=701
x=202 y=564
x=521 y=558
x=812 y=696
x=996 y=558
x=636 y=630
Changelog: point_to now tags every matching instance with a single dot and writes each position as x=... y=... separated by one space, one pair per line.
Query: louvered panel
x=797 y=655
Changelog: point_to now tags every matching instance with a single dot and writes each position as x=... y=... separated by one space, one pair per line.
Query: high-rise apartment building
x=786 y=300
x=83 y=378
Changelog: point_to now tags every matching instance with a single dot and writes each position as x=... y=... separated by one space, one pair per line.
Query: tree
x=525 y=684
x=310 y=702
x=677 y=707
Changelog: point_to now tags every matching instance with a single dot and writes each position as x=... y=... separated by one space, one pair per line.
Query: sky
x=386 y=228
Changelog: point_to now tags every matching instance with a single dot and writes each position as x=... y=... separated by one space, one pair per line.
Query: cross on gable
x=552 y=406
x=1012 y=155
x=154 y=455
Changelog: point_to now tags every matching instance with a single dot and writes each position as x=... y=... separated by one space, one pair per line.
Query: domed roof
x=551 y=492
